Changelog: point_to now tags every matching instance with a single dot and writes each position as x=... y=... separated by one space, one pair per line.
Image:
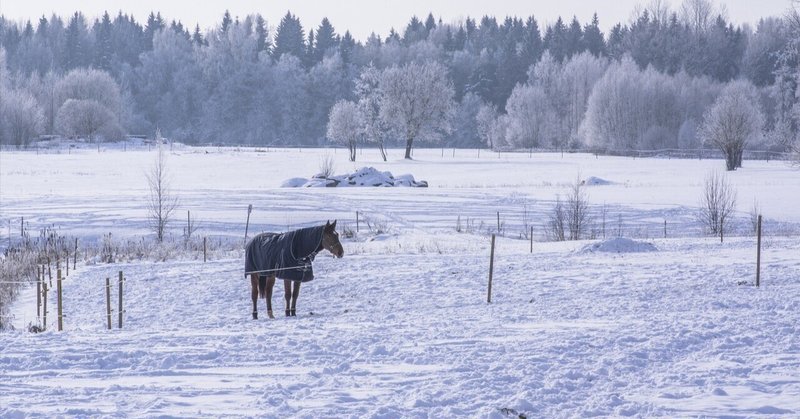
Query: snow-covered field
x=400 y=326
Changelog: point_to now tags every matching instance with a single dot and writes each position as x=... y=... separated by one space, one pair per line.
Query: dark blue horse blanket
x=287 y=255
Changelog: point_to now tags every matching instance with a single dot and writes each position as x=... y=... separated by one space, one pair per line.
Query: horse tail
x=262 y=286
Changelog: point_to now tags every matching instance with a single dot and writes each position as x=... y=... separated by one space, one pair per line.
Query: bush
x=717 y=204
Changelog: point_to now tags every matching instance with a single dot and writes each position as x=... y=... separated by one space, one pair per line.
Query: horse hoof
x=294 y=314
x=269 y=313
x=255 y=315
x=288 y=313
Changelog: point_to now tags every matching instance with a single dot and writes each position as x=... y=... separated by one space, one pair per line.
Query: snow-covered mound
x=619 y=245
x=365 y=176
x=592 y=180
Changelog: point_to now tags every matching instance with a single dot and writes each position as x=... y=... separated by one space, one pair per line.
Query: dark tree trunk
x=383 y=150
x=409 y=141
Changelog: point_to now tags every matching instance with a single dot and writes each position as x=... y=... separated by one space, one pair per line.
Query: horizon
x=349 y=15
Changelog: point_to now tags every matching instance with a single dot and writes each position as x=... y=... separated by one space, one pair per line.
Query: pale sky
x=364 y=17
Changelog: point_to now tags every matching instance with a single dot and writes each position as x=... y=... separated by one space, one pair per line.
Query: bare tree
x=733 y=120
x=578 y=218
x=697 y=14
x=162 y=204
x=717 y=204
x=570 y=220
x=557 y=221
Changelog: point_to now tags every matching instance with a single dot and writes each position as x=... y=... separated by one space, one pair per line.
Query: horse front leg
x=254 y=294
x=295 y=294
x=270 y=285
x=287 y=295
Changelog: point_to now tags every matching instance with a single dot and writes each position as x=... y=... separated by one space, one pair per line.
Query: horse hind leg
x=295 y=294
x=287 y=295
x=254 y=294
x=270 y=283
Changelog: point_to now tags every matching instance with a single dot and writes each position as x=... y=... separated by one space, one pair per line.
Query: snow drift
x=619 y=245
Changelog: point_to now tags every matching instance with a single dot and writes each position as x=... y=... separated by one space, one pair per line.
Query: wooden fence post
x=356 y=221
x=38 y=292
x=66 y=263
x=498 y=222
x=120 y=299
x=491 y=271
x=59 y=300
x=665 y=228
x=50 y=275
x=204 y=250
x=108 y=301
x=531 y=239
x=44 y=306
x=758 y=255
x=75 y=255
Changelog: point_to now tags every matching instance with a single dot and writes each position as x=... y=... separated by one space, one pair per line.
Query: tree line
x=507 y=83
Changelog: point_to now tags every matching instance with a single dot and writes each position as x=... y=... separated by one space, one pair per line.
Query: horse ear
x=333 y=226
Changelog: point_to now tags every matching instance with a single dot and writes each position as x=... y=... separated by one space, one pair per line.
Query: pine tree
x=103 y=47
x=326 y=40
x=289 y=38
x=593 y=38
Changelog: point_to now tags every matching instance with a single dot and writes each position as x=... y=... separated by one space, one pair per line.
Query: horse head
x=330 y=240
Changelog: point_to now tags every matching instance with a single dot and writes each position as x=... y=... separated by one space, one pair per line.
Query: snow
x=400 y=326
x=619 y=245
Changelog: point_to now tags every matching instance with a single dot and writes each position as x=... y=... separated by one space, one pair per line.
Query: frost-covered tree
x=486 y=120
x=417 y=100
x=170 y=89
x=367 y=90
x=734 y=120
x=21 y=117
x=613 y=108
x=530 y=119
x=464 y=123
x=82 y=118
x=345 y=125
x=328 y=82
x=89 y=84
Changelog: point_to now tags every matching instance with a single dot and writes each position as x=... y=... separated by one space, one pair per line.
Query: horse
x=287 y=256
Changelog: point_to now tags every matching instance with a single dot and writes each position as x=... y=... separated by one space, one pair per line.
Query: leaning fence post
x=108 y=301
x=491 y=271
x=758 y=255
x=247 y=226
x=59 y=300
x=120 y=299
